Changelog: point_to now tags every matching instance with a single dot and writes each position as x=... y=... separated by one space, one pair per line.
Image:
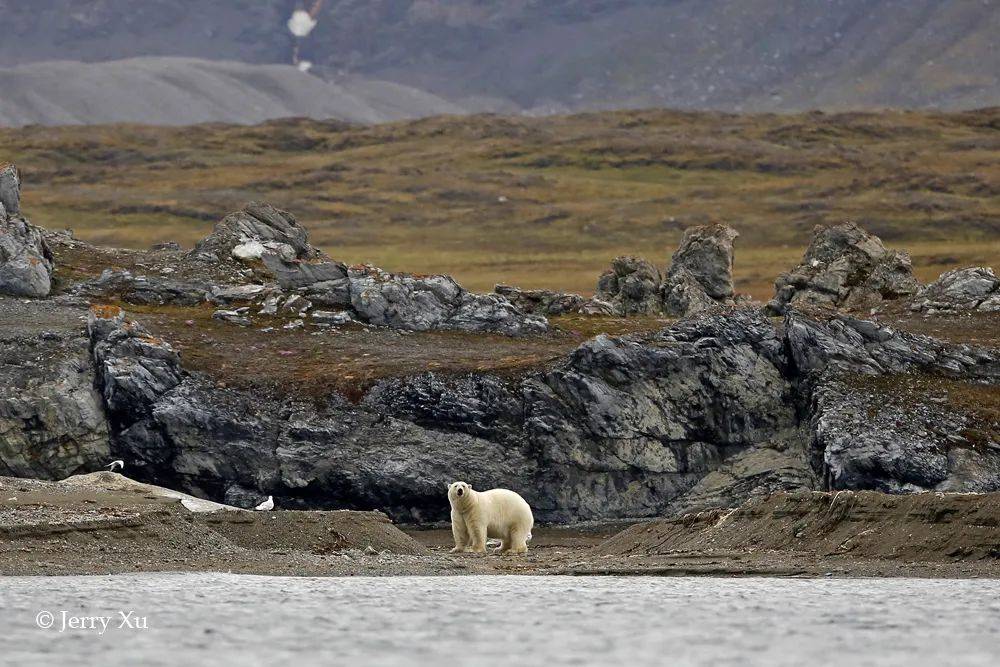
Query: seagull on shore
x=266 y=506
x=115 y=464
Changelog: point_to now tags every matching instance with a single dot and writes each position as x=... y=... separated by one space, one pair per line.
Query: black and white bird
x=266 y=506
x=119 y=464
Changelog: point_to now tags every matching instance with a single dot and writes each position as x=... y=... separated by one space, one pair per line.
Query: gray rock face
x=706 y=255
x=622 y=428
x=542 y=302
x=632 y=286
x=134 y=369
x=420 y=303
x=868 y=442
x=10 y=190
x=704 y=413
x=976 y=288
x=25 y=260
x=699 y=279
x=52 y=419
x=848 y=345
x=144 y=290
x=845 y=267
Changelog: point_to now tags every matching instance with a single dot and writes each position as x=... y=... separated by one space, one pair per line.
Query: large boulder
x=25 y=261
x=632 y=286
x=976 y=288
x=700 y=277
x=844 y=267
x=258 y=229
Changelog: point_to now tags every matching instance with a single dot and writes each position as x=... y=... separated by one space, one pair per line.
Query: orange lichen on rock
x=106 y=312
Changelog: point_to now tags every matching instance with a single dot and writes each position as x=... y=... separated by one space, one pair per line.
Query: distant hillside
x=180 y=91
x=549 y=55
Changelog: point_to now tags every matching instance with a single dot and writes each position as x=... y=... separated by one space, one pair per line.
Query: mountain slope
x=181 y=91
x=567 y=54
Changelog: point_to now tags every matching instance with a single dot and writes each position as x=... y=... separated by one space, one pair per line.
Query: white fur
x=498 y=513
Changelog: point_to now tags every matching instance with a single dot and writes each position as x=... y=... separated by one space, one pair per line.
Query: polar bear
x=496 y=513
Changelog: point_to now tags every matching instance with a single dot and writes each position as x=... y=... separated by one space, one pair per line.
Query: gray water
x=197 y=619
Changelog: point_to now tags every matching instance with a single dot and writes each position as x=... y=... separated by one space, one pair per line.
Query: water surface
x=195 y=619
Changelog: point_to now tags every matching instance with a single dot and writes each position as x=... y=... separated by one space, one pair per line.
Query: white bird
x=266 y=506
x=115 y=464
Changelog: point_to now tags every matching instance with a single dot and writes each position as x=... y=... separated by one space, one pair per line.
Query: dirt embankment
x=68 y=528
x=955 y=533
x=59 y=528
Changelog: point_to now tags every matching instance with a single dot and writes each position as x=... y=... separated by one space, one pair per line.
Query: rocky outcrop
x=699 y=279
x=144 y=289
x=134 y=369
x=420 y=303
x=844 y=267
x=283 y=268
x=701 y=271
x=632 y=287
x=257 y=229
x=970 y=289
x=547 y=303
x=25 y=260
x=702 y=414
x=10 y=190
x=868 y=440
x=52 y=419
x=705 y=413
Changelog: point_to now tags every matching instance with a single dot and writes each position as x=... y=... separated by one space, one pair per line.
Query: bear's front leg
x=458 y=531
x=478 y=535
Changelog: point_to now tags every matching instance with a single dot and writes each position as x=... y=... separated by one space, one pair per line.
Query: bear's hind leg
x=516 y=543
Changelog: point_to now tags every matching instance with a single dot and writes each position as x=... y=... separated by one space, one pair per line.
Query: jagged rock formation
x=263 y=243
x=844 y=267
x=701 y=271
x=10 y=190
x=258 y=228
x=700 y=277
x=52 y=418
x=631 y=286
x=25 y=260
x=704 y=413
x=976 y=288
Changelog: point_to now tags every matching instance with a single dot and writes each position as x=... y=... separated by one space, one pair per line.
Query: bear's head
x=459 y=492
